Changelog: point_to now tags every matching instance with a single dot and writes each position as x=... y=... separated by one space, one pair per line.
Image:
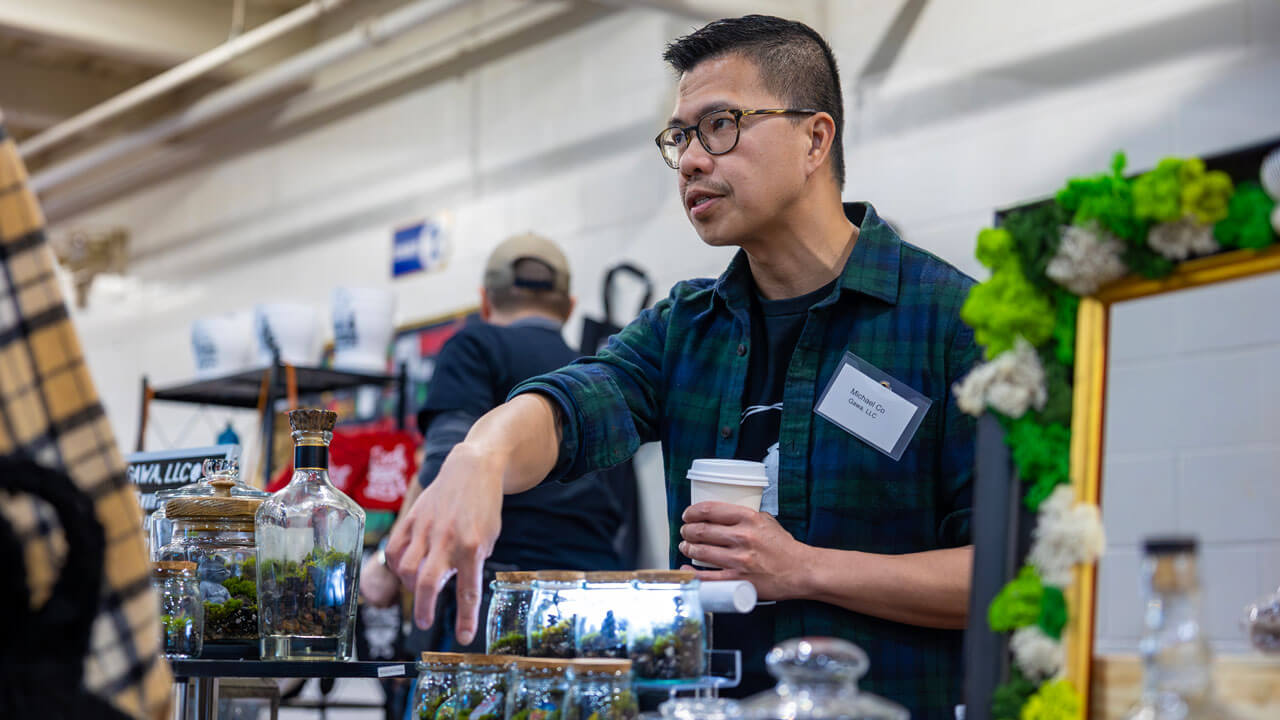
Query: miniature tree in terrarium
x=310 y=536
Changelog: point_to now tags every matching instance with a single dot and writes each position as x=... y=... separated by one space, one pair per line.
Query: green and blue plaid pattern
x=677 y=374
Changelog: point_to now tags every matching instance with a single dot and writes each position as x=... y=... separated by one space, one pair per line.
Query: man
x=860 y=545
x=524 y=302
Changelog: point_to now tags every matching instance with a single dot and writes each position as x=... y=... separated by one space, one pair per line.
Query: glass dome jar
x=818 y=678
x=601 y=690
x=538 y=689
x=310 y=536
x=216 y=533
x=667 y=637
x=552 y=613
x=160 y=527
x=437 y=681
x=601 y=626
x=509 y=613
x=481 y=688
x=181 y=609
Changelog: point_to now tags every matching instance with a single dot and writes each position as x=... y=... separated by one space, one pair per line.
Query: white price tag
x=871 y=405
x=391 y=671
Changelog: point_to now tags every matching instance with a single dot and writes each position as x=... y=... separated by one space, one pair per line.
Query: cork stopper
x=174 y=568
x=665 y=576
x=442 y=658
x=312 y=420
x=548 y=664
x=559 y=575
x=600 y=666
x=498 y=661
x=219 y=506
x=610 y=576
x=520 y=576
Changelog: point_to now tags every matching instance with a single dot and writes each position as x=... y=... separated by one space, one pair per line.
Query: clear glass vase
x=310 y=536
x=181 y=608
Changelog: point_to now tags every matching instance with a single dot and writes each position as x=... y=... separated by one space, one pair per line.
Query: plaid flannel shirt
x=49 y=411
x=677 y=375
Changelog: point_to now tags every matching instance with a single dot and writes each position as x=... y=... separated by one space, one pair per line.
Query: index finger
x=470 y=578
x=719 y=513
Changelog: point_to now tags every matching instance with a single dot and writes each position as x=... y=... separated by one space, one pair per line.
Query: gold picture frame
x=1089 y=411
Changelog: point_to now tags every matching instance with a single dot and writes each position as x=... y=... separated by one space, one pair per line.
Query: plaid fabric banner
x=49 y=410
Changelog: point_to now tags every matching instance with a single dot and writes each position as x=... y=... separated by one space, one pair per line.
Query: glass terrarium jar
x=552 y=613
x=216 y=533
x=160 y=527
x=818 y=678
x=601 y=625
x=310 y=536
x=437 y=681
x=667 y=637
x=181 y=609
x=481 y=689
x=508 y=613
x=538 y=689
x=601 y=690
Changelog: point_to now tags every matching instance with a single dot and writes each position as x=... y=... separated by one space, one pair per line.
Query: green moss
x=512 y=643
x=242 y=587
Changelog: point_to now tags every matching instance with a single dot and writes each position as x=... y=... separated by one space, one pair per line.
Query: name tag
x=871 y=405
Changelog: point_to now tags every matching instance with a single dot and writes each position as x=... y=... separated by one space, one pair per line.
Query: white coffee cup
x=739 y=482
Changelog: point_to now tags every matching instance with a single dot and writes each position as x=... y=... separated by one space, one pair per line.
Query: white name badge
x=873 y=406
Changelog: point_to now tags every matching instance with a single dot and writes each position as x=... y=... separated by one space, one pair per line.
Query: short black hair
x=534 y=290
x=795 y=63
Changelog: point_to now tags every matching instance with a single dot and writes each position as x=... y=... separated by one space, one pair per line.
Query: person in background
x=853 y=540
x=575 y=526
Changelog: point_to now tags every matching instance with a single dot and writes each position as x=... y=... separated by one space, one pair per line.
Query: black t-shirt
x=555 y=525
x=775 y=329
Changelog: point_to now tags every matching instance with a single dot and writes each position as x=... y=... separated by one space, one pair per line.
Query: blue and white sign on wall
x=421 y=246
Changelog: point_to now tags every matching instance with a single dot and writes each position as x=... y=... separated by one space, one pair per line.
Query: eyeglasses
x=718 y=132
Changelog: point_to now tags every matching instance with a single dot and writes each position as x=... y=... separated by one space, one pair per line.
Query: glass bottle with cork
x=1177 y=679
x=310 y=537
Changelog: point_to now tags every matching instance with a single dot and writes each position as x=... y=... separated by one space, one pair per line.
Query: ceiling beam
x=158 y=33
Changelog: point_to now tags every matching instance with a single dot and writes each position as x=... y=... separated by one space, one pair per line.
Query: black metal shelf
x=183 y=669
x=262 y=387
x=243 y=389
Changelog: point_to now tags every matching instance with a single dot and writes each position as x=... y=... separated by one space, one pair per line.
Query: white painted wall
x=990 y=103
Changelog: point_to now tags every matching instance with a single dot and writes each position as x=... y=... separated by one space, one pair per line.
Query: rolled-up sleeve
x=611 y=402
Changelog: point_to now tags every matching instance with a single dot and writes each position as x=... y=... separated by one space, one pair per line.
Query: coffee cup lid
x=729 y=472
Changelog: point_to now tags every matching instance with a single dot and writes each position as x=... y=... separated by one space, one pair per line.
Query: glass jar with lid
x=538 y=689
x=310 y=536
x=818 y=678
x=216 y=533
x=481 y=692
x=667 y=637
x=509 y=613
x=601 y=690
x=437 y=681
x=553 y=612
x=601 y=625
x=181 y=609
x=160 y=527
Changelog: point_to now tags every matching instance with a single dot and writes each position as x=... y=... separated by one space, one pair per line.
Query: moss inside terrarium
x=430 y=705
x=622 y=706
x=236 y=618
x=673 y=652
x=555 y=640
x=308 y=597
x=512 y=643
x=610 y=641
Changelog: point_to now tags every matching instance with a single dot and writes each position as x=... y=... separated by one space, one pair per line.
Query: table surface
x=183 y=669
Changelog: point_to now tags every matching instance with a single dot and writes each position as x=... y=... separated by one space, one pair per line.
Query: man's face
x=735 y=197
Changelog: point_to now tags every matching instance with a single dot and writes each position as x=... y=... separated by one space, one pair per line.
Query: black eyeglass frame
x=737 y=115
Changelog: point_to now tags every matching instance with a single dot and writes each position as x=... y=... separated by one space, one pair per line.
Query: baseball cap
x=501 y=268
